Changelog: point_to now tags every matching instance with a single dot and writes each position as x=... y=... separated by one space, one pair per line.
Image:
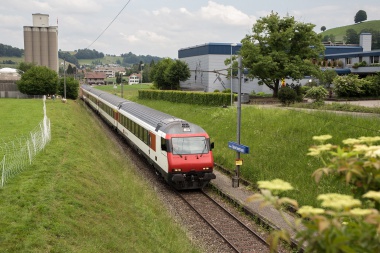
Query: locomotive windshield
x=189 y=145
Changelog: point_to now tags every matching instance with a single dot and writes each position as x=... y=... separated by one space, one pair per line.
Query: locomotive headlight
x=206 y=168
x=177 y=170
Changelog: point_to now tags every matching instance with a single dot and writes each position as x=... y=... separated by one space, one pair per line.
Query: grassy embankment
x=340 y=32
x=80 y=194
x=278 y=139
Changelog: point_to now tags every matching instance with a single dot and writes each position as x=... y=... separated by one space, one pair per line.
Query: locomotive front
x=190 y=159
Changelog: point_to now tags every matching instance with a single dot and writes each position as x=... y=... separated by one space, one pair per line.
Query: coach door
x=152 y=146
x=116 y=117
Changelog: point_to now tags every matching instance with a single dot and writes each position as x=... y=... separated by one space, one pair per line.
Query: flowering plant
x=343 y=223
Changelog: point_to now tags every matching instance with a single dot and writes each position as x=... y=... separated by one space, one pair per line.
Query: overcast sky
x=161 y=27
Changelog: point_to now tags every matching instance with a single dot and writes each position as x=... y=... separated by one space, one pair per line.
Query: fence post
x=3 y=172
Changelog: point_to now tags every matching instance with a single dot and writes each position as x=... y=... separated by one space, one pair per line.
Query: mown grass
x=278 y=139
x=81 y=194
x=19 y=118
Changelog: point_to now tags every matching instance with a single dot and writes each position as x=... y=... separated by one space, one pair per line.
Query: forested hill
x=9 y=51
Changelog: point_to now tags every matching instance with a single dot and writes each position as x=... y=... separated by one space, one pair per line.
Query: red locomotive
x=178 y=150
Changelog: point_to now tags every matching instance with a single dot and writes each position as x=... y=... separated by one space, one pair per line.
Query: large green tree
x=167 y=74
x=352 y=37
x=38 y=80
x=360 y=16
x=279 y=48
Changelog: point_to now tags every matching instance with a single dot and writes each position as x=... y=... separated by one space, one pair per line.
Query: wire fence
x=16 y=155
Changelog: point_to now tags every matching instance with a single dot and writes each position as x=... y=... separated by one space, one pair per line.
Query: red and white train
x=181 y=152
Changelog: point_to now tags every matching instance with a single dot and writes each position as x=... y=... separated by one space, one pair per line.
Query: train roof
x=157 y=119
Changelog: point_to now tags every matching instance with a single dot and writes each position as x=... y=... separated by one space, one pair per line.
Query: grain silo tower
x=41 y=42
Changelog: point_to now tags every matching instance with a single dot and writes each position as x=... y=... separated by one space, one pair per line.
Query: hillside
x=340 y=32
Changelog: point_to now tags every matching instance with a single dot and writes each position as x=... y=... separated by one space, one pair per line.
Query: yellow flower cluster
x=307 y=211
x=338 y=201
x=317 y=150
x=322 y=138
x=372 y=195
x=275 y=185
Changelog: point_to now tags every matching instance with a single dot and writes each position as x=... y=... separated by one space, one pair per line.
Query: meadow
x=81 y=194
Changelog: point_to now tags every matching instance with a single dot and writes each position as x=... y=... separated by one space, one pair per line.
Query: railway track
x=226 y=226
x=234 y=232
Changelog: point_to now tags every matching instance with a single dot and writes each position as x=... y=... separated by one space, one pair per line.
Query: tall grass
x=278 y=139
x=82 y=195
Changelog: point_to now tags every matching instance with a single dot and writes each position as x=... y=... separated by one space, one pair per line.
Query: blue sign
x=238 y=147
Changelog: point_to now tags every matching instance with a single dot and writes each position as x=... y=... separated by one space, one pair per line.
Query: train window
x=129 y=122
x=189 y=145
x=164 y=147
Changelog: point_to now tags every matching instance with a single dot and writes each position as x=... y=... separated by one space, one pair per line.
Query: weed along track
x=230 y=228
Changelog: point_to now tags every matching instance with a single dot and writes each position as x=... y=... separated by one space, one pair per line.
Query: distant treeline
x=127 y=59
x=68 y=57
x=131 y=58
x=88 y=54
x=10 y=51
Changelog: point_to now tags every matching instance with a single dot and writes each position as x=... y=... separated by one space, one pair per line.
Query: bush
x=347 y=86
x=360 y=64
x=343 y=223
x=318 y=93
x=201 y=98
x=287 y=95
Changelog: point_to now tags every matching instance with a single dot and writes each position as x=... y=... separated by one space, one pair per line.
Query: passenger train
x=179 y=151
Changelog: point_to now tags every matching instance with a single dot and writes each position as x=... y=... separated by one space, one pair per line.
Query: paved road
x=368 y=103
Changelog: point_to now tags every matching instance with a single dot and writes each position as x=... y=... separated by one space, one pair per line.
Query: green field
x=17 y=61
x=105 y=60
x=81 y=193
x=340 y=32
x=19 y=117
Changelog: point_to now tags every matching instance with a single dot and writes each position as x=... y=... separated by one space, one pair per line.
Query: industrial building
x=209 y=73
x=41 y=42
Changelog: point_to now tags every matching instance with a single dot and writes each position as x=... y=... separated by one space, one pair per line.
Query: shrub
x=343 y=223
x=287 y=95
x=360 y=64
x=216 y=91
x=370 y=86
x=318 y=93
x=347 y=86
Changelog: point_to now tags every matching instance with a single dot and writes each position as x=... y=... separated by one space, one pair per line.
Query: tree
x=326 y=79
x=360 y=16
x=177 y=71
x=167 y=73
x=38 y=80
x=25 y=66
x=72 y=87
x=119 y=77
x=70 y=70
x=352 y=37
x=323 y=28
x=279 y=48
